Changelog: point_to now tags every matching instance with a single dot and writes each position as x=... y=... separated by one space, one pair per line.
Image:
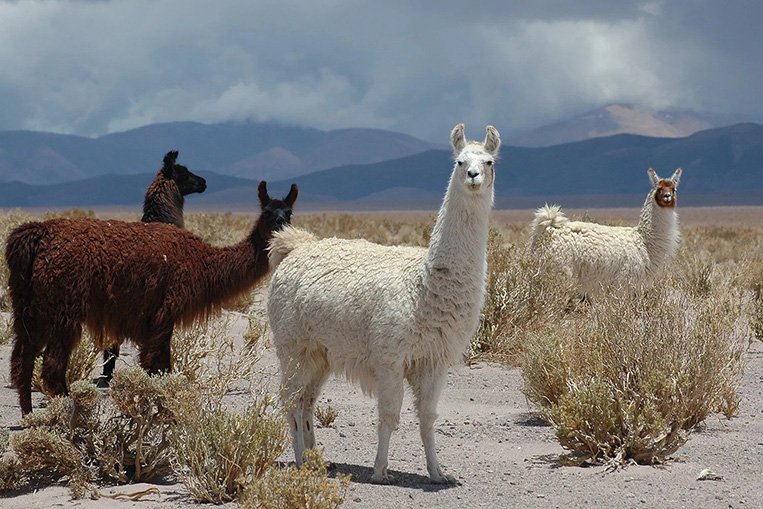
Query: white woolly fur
x=380 y=315
x=604 y=257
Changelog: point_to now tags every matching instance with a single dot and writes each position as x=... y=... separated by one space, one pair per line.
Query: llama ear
x=492 y=140
x=676 y=177
x=653 y=177
x=292 y=196
x=169 y=162
x=457 y=138
x=262 y=192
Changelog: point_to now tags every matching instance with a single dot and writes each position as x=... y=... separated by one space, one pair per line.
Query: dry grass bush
x=219 y=453
x=82 y=361
x=523 y=295
x=219 y=229
x=6 y=328
x=85 y=437
x=208 y=357
x=291 y=487
x=381 y=231
x=627 y=381
x=326 y=415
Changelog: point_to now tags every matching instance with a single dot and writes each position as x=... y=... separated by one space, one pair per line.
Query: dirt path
x=494 y=443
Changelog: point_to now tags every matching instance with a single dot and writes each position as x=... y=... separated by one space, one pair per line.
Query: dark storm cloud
x=95 y=67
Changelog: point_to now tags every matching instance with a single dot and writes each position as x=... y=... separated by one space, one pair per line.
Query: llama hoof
x=382 y=479
x=444 y=479
x=101 y=382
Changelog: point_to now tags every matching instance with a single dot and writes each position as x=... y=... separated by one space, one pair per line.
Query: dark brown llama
x=164 y=198
x=122 y=280
x=163 y=203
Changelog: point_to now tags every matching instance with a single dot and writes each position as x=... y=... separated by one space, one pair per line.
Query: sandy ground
x=492 y=440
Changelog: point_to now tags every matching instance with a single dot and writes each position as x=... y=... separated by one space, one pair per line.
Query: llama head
x=186 y=181
x=275 y=213
x=475 y=160
x=665 y=194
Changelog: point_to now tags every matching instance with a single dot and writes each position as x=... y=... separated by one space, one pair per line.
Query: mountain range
x=374 y=169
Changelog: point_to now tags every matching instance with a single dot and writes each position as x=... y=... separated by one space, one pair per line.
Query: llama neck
x=658 y=226
x=163 y=204
x=458 y=246
x=236 y=268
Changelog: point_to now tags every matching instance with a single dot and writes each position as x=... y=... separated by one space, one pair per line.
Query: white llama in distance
x=381 y=315
x=602 y=257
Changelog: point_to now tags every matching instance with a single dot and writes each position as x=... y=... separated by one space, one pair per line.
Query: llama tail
x=548 y=216
x=20 y=252
x=286 y=240
x=21 y=249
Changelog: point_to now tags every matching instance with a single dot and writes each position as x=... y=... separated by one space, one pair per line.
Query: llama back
x=337 y=294
x=546 y=217
x=285 y=241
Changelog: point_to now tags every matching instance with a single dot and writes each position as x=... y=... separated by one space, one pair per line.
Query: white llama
x=381 y=315
x=604 y=257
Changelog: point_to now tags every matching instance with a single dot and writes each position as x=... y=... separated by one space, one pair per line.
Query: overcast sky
x=93 y=67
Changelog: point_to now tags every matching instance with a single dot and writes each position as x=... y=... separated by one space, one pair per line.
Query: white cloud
x=96 y=67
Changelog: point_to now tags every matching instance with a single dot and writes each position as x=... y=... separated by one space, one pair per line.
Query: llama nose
x=472 y=174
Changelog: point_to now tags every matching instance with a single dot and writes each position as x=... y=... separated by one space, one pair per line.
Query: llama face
x=475 y=161
x=475 y=168
x=186 y=181
x=665 y=194
x=665 y=189
x=276 y=214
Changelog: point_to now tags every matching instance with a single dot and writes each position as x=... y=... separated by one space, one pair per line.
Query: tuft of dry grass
x=326 y=415
x=217 y=454
x=523 y=295
x=85 y=437
x=628 y=380
x=82 y=361
x=291 y=487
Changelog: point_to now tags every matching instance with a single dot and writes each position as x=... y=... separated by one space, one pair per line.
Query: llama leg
x=427 y=386
x=110 y=357
x=22 y=366
x=56 y=359
x=292 y=390
x=389 y=385
x=312 y=390
x=155 y=356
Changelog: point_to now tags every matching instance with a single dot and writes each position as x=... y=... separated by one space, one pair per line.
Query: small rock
x=709 y=475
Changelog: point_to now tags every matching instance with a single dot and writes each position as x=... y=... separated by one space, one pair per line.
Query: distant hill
x=722 y=166
x=623 y=119
x=247 y=149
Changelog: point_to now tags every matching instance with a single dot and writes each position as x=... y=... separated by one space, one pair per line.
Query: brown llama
x=122 y=280
x=164 y=198
x=163 y=203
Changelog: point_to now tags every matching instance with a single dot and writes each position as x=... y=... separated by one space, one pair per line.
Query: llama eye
x=460 y=163
x=489 y=163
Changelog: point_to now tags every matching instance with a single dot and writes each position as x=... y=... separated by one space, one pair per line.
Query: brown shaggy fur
x=164 y=197
x=163 y=203
x=122 y=280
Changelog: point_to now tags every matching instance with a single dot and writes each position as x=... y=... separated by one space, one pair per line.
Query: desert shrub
x=208 y=357
x=85 y=437
x=81 y=363
x=358 y=226
x=628 y=380
x=219 y=229
x=523 y=295
x=290 y=487
x=255 y=334
x=219 y=453
x=6 y=328
x=326 y=415
x=11 y=474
